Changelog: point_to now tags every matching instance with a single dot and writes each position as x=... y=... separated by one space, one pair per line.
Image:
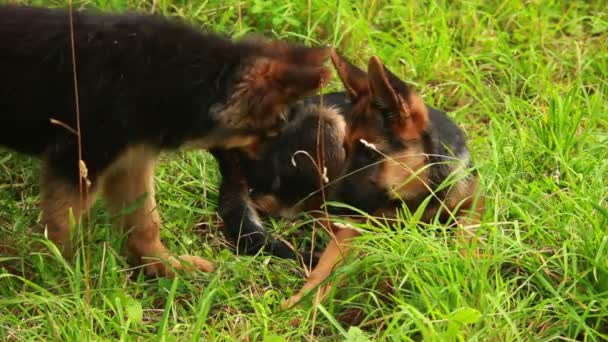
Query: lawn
x=528 y=81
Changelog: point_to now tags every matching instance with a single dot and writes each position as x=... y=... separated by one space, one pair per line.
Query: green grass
x=527 y=81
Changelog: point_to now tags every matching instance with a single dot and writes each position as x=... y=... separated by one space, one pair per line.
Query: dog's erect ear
x=382 y=92
x=398 y=103
x=267 y=85
x=272 y=75
x=354 y=79
x=288 y=52
x=292 y=81
x=299 y=54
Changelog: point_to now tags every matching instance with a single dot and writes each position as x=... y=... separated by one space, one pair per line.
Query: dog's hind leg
x=129 y=190
x=337 y=249
x=59 y=197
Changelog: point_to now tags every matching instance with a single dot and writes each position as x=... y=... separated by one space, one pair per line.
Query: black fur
x=142 y=79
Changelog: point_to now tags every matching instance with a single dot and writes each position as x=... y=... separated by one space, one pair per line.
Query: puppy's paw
x=318 y=296
x=191 y=263
x=158 y=269
x=185 y=263
x=291 y=301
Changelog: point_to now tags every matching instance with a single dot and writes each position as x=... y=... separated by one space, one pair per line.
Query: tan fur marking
x=223 y=141
x=58 y=198
x=337 y=250
x=240 y=141
x=129 y=179
x=253 y=148
x=267 y=204
x=270 y=205
x=414 y=117
x=405 y=174
x=234 y=114
x=266 y=87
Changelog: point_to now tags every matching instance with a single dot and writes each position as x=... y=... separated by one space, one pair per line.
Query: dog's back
x=114 y=55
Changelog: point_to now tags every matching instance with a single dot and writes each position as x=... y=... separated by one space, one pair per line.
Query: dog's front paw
x=185 y=263
x=291 y=301
x=192 y=263
x=318 y=296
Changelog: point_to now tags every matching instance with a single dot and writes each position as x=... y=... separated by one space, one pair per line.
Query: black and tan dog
x=283 y=178
x=380 y=147
x=145 y=84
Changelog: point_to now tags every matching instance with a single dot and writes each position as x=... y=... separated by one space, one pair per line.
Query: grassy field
x=528 y=83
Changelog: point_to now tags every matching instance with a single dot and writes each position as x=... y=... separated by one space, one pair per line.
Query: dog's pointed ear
x=295 y=81
x=354 y=79
x=301 y=55
x=398 y=103
x=267 y=85
x=289 y=52
x=382 y=92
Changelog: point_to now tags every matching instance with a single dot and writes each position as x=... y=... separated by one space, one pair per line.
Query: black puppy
x=144 y=84
x=285 y=176
x=378 y=147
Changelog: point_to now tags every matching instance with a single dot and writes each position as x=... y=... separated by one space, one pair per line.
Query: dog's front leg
x=129 y=190
x=337 y=249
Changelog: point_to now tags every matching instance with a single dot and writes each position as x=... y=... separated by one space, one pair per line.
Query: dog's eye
x=367 y=150
x=378 y=105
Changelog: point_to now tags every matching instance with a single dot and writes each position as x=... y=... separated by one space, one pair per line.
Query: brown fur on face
x=397 y=145
x=406 y=173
